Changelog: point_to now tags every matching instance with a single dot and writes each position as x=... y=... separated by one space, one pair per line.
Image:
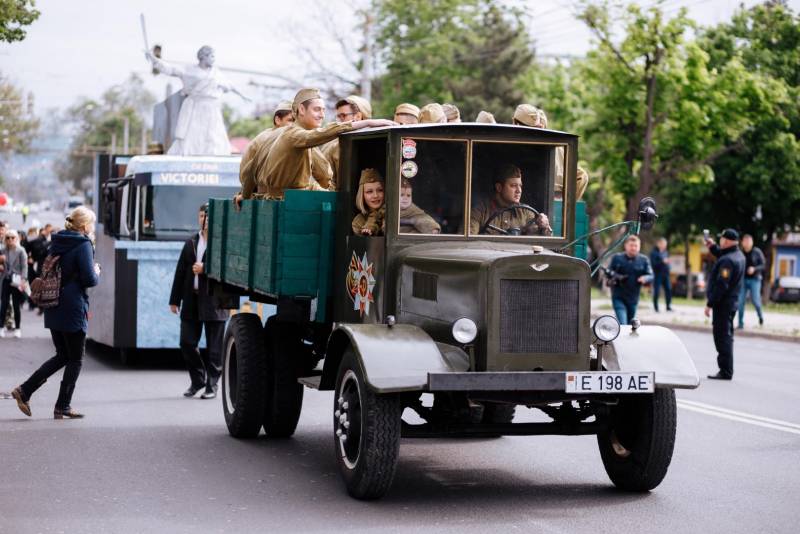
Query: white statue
x=200 y=130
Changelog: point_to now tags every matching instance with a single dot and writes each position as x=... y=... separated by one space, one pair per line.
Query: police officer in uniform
x=724 y=286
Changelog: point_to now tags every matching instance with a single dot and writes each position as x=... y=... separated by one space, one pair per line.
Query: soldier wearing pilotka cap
x=406 y=114
x=352 y=108
x=249 y=166
x=289 y=163
x=527 y=115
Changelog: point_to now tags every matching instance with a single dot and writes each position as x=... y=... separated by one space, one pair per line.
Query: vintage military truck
x=483 y=312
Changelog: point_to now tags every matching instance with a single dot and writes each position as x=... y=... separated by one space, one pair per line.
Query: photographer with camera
x=626 y=274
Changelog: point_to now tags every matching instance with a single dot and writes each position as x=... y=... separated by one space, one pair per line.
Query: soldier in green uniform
x=406 y=114
x=527 y=115
x=248 y=168
x=508 y=192
x=352 y=108
x=290 y=160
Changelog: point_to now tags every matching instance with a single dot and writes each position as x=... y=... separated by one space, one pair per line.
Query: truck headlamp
x=465 y=330
x=606 y=328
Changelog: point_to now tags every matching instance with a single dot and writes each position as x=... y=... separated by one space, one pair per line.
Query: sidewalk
x=781 y=326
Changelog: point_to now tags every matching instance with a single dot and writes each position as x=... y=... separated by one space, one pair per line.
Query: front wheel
x=637 y=446
x=243 y=375
x=366 y=432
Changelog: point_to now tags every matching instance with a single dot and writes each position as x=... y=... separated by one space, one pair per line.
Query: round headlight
x=465 y=330
x=606 y=328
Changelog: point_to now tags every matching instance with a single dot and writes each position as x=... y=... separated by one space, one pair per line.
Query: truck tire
x=498 y=413
x=243 y=375
x=366 y=432
x=284 y=394
x=637 y=448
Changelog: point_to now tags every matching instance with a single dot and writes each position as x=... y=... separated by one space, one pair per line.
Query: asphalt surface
x=146 y=459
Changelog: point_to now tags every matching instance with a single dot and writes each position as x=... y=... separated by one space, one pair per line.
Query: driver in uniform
x=508 y=192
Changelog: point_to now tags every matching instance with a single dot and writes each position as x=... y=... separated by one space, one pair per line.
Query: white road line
x=740 y=417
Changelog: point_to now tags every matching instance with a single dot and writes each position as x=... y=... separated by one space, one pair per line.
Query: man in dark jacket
x=755 y=263
x=198 y=310
x=630 y=270
x=659 y=259
x=724 y=286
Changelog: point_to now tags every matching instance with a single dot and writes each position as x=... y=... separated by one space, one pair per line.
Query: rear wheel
x=284 y=395
x=243 y=375
x=637 y=447
x=366 y=432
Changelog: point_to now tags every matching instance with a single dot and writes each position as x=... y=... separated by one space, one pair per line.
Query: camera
x=613 y=278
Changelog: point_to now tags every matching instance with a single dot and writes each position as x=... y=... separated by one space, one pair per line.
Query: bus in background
x=147 y=207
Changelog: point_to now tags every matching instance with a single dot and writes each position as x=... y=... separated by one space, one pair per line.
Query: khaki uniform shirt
x=331 y=153
x=248 y=175
x=414 y=220
x=518 y=218
x=289 y=162
x=375 y=221
x=582 y=176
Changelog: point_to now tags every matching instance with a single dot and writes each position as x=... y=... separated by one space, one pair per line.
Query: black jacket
x=755 y=258
x=195 y=305
x=727 y=275
x=632 y=269
x=657 y=261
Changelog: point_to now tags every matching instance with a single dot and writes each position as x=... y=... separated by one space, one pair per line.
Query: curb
x=737 y=333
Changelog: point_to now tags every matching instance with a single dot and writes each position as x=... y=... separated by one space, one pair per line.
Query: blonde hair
x=79 y=218
x=368 y=176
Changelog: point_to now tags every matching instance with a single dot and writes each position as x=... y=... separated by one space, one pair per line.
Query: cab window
x=514 y=189
x=432 y=186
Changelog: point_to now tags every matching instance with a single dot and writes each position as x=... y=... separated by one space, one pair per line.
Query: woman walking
x=15 y=278
x=69 y=320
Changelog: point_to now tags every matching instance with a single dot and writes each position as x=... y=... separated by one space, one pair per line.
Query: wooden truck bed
x=275 y=248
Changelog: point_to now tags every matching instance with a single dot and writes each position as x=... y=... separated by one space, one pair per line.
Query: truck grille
x=539 y=316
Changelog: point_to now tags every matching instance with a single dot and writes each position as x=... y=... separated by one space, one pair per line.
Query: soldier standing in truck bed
x=352 y=108
x=289 y=163
x=248 y=168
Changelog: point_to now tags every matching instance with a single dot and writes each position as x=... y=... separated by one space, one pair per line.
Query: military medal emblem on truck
x=473 y=291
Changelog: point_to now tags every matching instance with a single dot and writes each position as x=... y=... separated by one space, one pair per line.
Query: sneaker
x=17 y=333
x=760 y=321
x=2 y=332
x=23 y=405
x=192 y=391
x=209 y=393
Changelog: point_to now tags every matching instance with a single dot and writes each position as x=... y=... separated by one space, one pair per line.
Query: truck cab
x=471 y=289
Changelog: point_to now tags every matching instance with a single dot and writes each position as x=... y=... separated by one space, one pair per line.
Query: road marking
x=742 y=417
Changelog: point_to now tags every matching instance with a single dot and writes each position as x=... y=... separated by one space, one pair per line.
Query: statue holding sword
x=200 y=130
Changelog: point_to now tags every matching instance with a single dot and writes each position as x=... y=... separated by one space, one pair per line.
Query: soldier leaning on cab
x=289 y=163
x=352 y=108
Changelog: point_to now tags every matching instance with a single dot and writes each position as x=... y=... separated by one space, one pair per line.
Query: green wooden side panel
x=275 y=247
x=581 y=225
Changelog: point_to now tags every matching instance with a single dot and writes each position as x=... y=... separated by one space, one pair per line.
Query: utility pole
x=366 y=69
x=144 y=138
x=126 y=136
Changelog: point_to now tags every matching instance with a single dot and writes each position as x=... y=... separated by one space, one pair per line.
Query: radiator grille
x=539 y=316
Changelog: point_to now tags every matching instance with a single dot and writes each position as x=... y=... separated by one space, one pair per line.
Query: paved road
x=146 y=459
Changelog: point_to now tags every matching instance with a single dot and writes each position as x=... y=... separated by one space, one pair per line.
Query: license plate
x=601 y=382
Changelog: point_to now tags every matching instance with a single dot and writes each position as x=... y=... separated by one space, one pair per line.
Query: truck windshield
x=516 y=189
x=170 y=212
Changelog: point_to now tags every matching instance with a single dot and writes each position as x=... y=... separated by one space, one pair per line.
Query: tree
x=14 y=16
x=18 y=125
x=100 y=124
x=493 y=58
x=757 y=189
x=658 y=112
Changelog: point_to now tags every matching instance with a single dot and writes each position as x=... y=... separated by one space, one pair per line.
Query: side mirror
x=647 y=213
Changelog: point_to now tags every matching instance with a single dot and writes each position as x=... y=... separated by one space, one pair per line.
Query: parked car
x=785 y=289
x=698 y=286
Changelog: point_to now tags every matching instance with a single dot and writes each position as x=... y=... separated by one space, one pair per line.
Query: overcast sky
x=82 y=47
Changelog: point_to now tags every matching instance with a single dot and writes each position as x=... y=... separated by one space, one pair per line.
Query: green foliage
x=98 y=122
x=18 y=126
x=468 y=52
x=248 y=126
x=757 y=188
x=14 y=16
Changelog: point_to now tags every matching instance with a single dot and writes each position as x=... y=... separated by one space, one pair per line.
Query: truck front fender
x=652 y=348
x=394 y=358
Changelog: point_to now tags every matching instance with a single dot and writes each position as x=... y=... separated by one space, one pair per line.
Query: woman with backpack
x=14 y=279
x=68 y=319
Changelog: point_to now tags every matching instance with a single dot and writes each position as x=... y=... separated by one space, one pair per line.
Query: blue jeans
x=753 y=286
x=624 y=310
x=662 y=279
